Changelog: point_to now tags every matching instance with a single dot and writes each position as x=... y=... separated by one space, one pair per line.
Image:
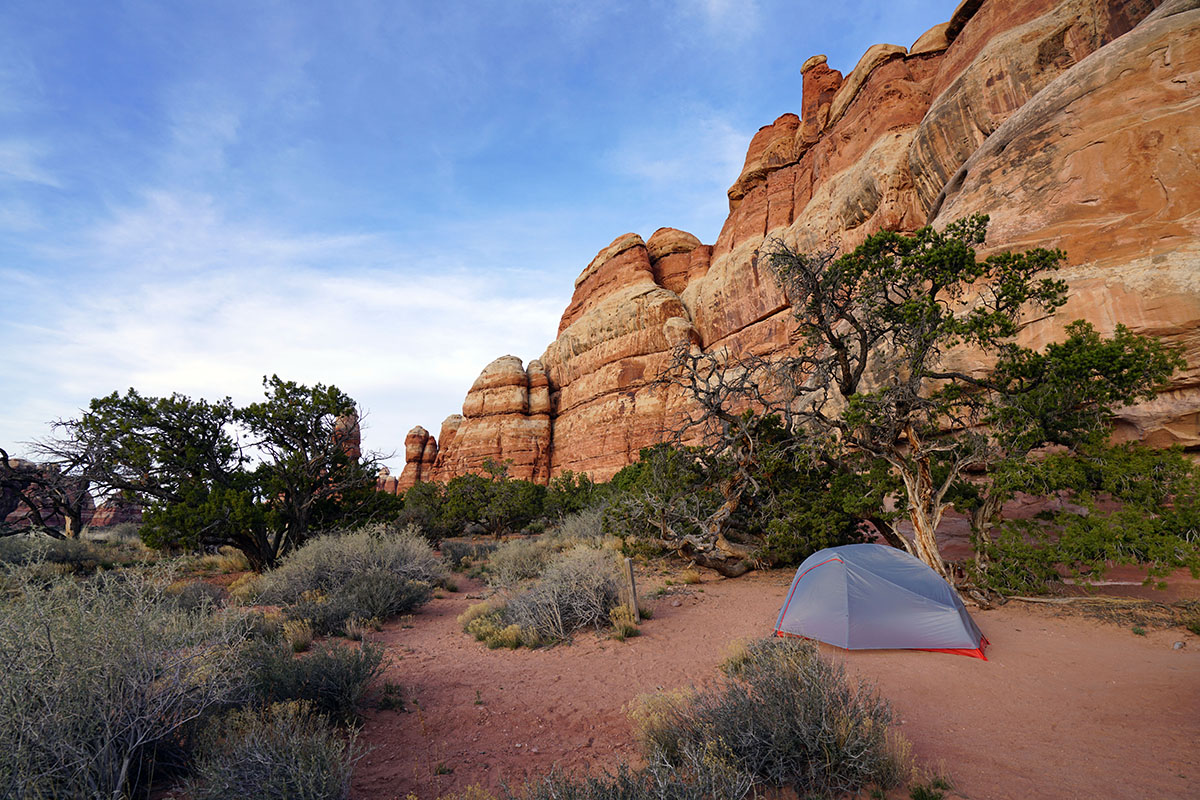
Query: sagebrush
x=787 y=717
x=282 y=752
x=103 y=680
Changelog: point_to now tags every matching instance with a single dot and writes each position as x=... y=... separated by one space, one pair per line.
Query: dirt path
x=1064 y=708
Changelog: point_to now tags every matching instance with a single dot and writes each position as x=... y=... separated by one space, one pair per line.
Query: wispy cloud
x=21 y=161
x=195 y=302
x=688 y=164
x=731 y=20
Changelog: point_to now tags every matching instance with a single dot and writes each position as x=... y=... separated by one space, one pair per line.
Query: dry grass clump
x=282 y=752
x=487 y=624
x=226 y=560
x=690 y=576
x=245 y=589
x=624 y=622
x=785 y=716
x=298 y=633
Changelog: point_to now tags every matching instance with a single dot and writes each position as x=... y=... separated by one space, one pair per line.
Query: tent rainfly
x=875 y=597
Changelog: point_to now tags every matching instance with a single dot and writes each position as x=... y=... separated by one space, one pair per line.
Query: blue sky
x=381 y=195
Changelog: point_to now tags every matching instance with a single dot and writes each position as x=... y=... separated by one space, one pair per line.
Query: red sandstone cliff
x=1074 y=124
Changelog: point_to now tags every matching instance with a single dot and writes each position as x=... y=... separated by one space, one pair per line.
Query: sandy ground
x=1065 y=707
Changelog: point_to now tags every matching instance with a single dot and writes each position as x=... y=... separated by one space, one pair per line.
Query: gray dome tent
x=875 y=597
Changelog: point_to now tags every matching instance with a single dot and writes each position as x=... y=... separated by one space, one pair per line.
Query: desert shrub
x=23 y=550
x=382 y=594
x=371 y=573
x=520 y=560
x=698 y=774
x=281 y=752
x=576 y=590
x=195 y=596
x=374 y=594
x=103 y=679
x=326 y=615
x=585 y=526
x=456 y=552
x=328 y=562
x=789 y=718
x=128 y=533
x=332 y=678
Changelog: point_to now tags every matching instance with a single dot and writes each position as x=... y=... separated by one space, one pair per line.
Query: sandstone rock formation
x=1073 y=123
x=114 y=511
x=420 y=450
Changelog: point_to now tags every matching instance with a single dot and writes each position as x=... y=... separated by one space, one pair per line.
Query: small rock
x=1177 y=646
x=676 y=603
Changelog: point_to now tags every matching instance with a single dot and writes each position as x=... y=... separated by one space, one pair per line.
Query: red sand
x=1065 y=707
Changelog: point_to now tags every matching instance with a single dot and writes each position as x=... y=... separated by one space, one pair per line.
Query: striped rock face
x=1072 y=123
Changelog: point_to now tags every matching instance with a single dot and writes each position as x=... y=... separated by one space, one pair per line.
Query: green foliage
x=494 y=502
x=332 y=678
x=662 y=495
x=423 y=508
x=788 y=508
x=1125 y=504
x=569 y=493
x=787 y=717
x=282 y=752
x=1065 y=394
x=184 y=461
x=871 y=380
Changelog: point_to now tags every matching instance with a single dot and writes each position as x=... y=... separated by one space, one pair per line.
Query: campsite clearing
x=1066 y=706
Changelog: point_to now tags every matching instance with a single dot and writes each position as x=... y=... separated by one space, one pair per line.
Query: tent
x=875 y=597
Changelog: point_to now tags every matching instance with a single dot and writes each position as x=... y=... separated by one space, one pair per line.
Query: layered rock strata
x=1074 y=124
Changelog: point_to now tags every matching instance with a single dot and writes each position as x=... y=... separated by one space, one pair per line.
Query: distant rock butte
x=1074 y=124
